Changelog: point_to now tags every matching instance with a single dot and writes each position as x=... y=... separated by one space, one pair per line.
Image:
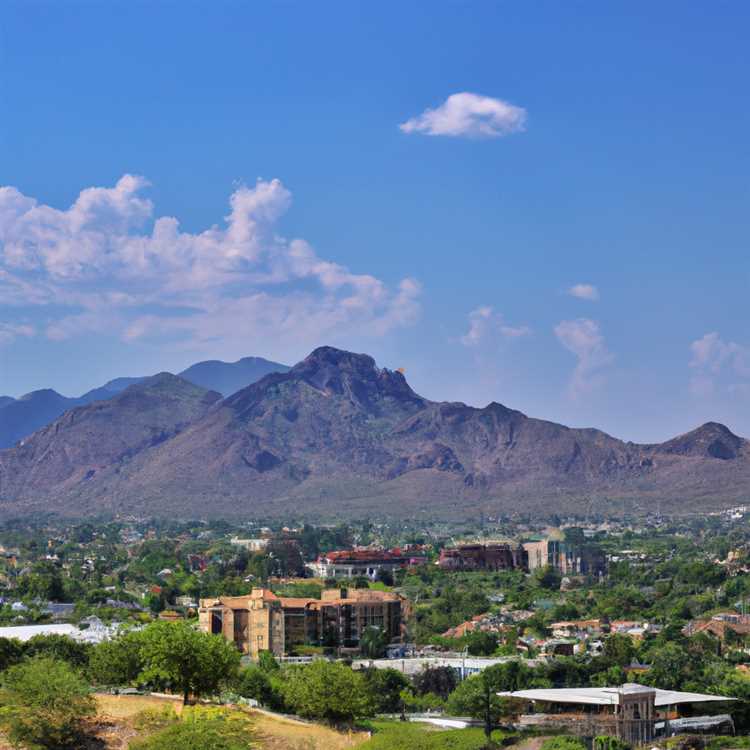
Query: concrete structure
x=568 y=559
x=492 y=556
x=251 y=545
x=263 y=621
x=629 y=712
x=464 y=666
x=364 y=562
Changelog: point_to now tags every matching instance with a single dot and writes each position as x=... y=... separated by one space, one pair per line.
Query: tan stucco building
x=262 y=621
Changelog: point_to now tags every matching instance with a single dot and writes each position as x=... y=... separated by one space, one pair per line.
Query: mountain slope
x=337 y=435
x=229 y=377
x=19 y=418
x=72 y=449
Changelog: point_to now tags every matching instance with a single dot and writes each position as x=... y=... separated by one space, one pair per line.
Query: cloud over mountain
x=112 y=266
x=584 y=339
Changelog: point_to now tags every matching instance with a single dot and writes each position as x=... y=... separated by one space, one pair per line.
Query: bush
x=201 y=729
x=563 y=743
x=44 y=705
x=606 y=742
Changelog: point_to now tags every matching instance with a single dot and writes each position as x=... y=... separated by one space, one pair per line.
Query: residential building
x=490 y=556
x=262 y=621
x=568 y=559
x=365 y=561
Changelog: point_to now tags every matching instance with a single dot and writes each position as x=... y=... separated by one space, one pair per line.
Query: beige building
x=262 y=621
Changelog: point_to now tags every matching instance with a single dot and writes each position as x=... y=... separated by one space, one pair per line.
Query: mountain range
x=338 y=436
x=20 y=417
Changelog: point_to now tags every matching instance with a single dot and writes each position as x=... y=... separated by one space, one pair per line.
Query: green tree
x=373 y=642
x=330 y=691
x=436 y=680
x=176 y=656
x=671 y=665
x=267 y=662
x=385 y=686
x=59 y=647
x=117 y=662
x=618 y=650
x=477 y=697
x=11 y=652
x=261 y=686
x=548 y=578
x=43 y=705
x=481 y=643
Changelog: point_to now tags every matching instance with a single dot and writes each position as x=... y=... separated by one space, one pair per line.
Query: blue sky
x=604 y=149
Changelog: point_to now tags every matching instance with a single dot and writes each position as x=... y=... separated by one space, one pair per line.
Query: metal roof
x=610 y=696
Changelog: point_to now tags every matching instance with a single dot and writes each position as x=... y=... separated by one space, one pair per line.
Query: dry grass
x=127 y=706
x=114 y=727
x=276 y=733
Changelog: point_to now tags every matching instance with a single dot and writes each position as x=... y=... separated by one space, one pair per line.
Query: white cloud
x=583 y=338
x=116 y=268
x=584 y=291
x=714 y=359
x=487 y=326
x=11 y=331
x=467 y=114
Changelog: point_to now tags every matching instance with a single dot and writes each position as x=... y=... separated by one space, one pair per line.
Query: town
x=635 y=630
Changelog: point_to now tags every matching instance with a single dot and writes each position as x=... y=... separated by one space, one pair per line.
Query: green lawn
x=396 y=735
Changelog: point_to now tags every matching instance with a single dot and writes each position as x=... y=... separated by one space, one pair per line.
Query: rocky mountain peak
x=340 y=372
x=712 y=440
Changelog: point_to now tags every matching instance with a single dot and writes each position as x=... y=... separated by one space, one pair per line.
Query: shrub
x=201 y=729
x=44 y=704
x=563 y=743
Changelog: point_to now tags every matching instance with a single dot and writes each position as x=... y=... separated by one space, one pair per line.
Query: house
x=723 y=626
x=576 y=628
x=263 y=621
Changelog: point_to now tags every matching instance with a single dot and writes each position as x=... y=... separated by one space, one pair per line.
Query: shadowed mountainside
x=20 y=417
x=336 y=435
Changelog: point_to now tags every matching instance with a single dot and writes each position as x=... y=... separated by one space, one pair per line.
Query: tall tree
x=177 y=656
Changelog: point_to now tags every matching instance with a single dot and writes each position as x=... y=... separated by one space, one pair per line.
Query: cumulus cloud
x=584 y=291
x=485 y=325
x=714 y=360
x=583 y=338
x=112 y=266
x=471 y=115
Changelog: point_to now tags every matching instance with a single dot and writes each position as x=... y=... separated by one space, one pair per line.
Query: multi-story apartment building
x=491 y=556
x=569 y=559
x=262 y=621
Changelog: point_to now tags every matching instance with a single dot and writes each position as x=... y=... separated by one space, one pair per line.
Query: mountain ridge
x=336 y=434
x=22 y=416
